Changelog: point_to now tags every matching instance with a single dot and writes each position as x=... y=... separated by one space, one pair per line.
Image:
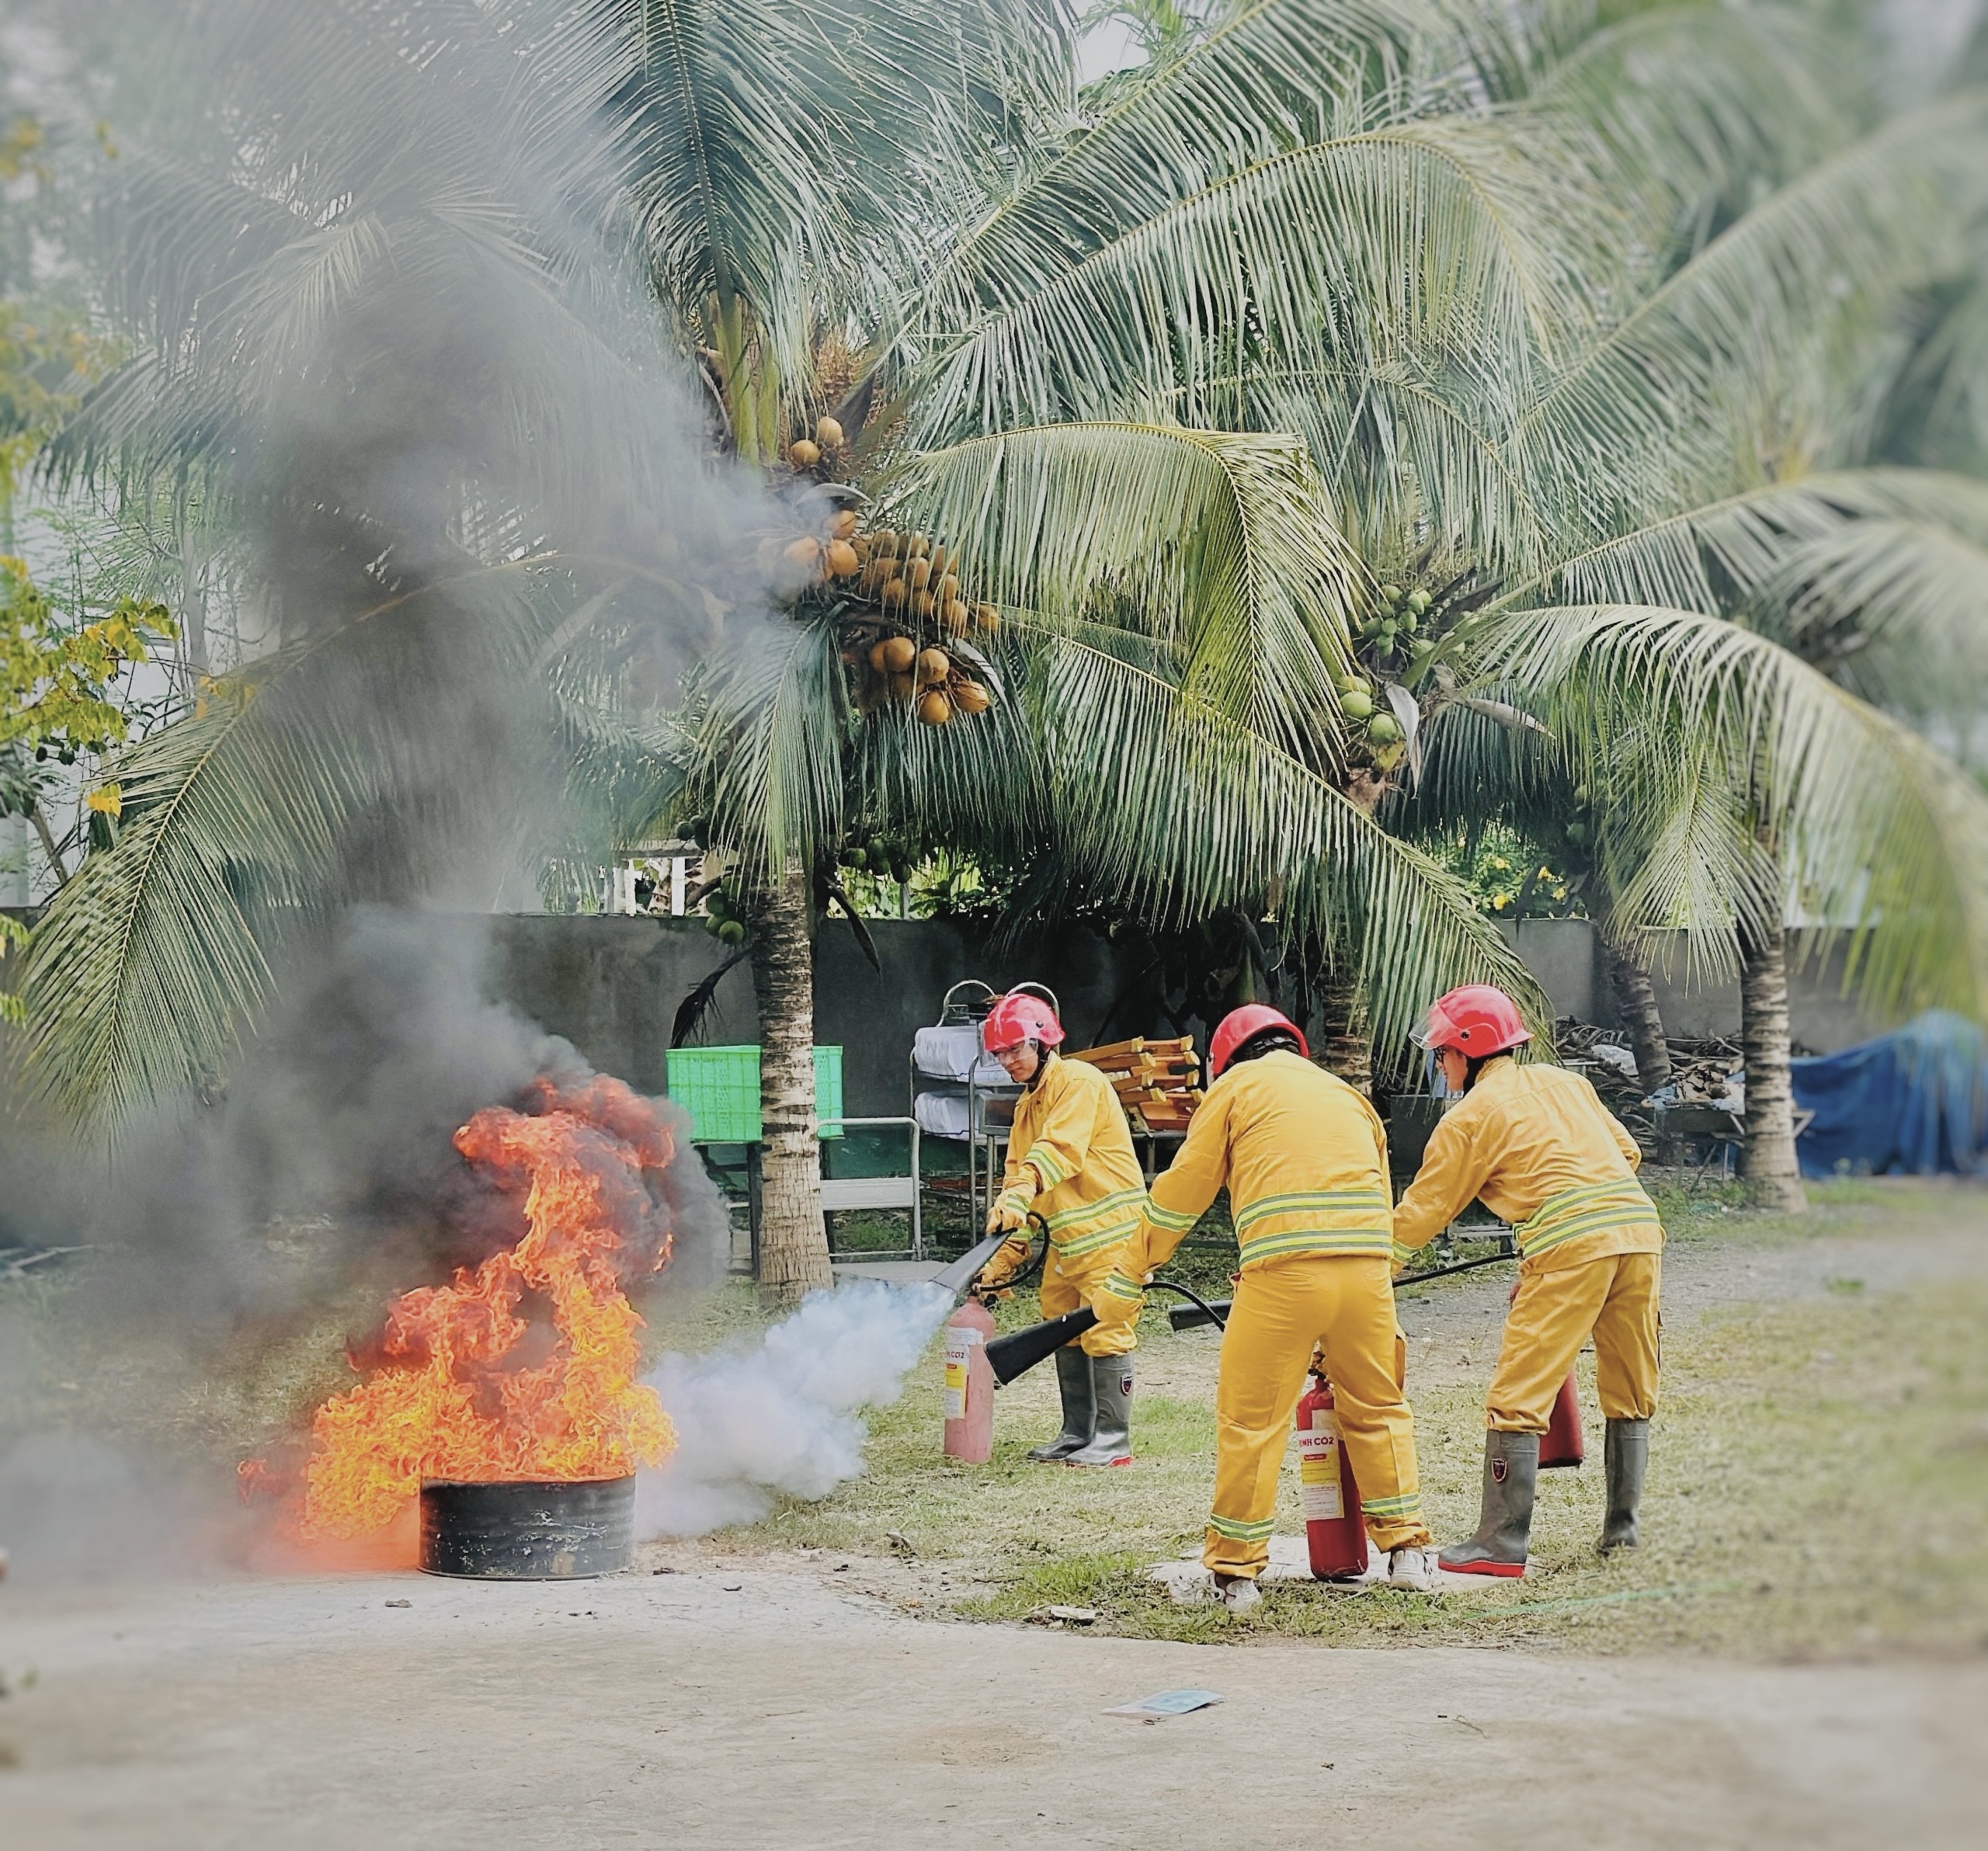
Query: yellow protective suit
x=1537 y=1145
x=1304 y=1159
x=1070 y=1154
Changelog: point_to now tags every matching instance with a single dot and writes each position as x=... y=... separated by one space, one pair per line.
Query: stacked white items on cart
x=951 y=1055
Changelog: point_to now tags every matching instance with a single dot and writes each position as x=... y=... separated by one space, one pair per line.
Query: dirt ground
x=766 y=1694
x=753 y=1707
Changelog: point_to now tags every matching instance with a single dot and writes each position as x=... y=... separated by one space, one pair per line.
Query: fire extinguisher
x=1334 y=1533
x=1561 y=1443
x=969 y=1384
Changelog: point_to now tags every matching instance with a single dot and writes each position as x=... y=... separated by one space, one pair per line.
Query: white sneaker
x=1239 y=1595
x=1414 y=1569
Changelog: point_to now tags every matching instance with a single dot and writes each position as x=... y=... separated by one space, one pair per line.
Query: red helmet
x=1245 y=1024
x=1019 y=1017
x=1478 y=1019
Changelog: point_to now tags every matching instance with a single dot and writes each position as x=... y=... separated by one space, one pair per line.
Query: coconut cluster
x=1389 y=642
x=882 y=856
x=1390 y=630
x=723 y=920
x=904 y=614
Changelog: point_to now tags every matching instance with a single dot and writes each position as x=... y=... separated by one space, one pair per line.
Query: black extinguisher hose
x=1215 y=1313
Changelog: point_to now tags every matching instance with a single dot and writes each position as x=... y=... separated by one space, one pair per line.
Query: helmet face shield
x=1438 y=1031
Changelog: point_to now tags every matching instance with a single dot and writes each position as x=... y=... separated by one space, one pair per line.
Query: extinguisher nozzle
x=1020 y=1351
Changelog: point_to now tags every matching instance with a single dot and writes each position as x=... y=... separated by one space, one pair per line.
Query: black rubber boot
x=1111 y=1391
x=1079 y=1406
x=1625 y=1453
x=1511 y=1476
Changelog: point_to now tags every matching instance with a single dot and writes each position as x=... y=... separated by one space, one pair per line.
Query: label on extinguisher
x=1318 y=1468
x=961 y=1342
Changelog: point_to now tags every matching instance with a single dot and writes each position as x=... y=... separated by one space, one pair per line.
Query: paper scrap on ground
x=1167 y=1703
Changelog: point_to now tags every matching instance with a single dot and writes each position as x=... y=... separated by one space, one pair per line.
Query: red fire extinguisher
x=969 y=1384
x=1561 y=1443
x=1334 y=1534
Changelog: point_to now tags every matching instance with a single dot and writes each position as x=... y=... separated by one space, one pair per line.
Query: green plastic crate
x=719 y=1087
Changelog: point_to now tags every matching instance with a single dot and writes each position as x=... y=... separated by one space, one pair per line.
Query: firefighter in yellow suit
x=1536 y=1144
x=1070 y=1163
x=1305 y=1159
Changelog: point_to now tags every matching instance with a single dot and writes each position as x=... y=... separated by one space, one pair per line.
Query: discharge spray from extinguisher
x=782 y=1414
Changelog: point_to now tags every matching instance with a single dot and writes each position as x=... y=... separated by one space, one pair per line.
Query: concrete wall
x=1821 y=1016
x=612 y=985
x=1561 y=954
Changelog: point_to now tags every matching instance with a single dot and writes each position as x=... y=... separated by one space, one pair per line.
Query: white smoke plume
x=784 y=1414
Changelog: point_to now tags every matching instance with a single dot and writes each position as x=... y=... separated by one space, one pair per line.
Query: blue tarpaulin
x=1911 y=1102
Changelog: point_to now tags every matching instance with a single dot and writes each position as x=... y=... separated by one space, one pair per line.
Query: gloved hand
x=1117 y=1303
x=1009 y=1213
x=1402 y=1256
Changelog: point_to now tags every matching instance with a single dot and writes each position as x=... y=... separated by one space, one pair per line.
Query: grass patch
x=1820 y=1470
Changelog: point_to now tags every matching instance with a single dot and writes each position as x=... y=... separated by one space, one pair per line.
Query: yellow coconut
x=803 y=551
x=923 y=603
x=920 y=573
x=827 y=433
x=934 y=709
x=953 y=614
x=894 y=592
x=903 y=688
x=899 y=653
x=878 y=660
x=804 y=455
x=986 y=618
x=971 y=697
x=933 y=666
x=842 y=559
x=843 y=525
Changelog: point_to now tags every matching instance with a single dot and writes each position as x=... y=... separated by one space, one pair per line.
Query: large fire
x=523 y=1367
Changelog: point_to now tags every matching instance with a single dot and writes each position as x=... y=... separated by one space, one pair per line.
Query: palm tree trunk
x=1635 y=1002
x=1347 y=1047
x=794 y=1246
x=1766 y=1159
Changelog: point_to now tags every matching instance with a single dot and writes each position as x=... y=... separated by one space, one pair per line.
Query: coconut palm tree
x=1682 y=291
x=1203 y=374
x=783 y=176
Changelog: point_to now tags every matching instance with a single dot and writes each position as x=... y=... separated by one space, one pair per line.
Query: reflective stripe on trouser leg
x=1626 y=1339
x=1067 y=1285
x=1280 y=1311
x=1551 y=1319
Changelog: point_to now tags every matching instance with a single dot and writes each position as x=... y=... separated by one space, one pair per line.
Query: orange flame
x=477 y=1383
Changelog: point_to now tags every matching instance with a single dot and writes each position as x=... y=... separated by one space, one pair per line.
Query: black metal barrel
x=528 y=1529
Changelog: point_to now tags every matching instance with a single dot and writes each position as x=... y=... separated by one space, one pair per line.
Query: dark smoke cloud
x=364 y=261
x=337 y=1121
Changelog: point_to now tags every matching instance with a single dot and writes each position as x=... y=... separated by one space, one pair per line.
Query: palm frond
x=1221 y=546
x=1681 y=718
x=1459 y=239
x=340 y=768
x=1160 y=799
x=1646 y=419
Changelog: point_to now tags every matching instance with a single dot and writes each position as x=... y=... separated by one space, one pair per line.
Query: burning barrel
x=528 y=1529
